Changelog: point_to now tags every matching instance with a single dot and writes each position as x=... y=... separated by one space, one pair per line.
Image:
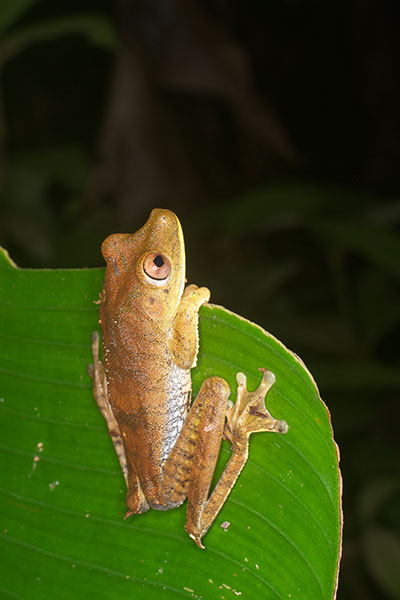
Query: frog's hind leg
x=97 y=373
x=135 y=499
x=201 y=435
x=189 y=468
x=246 y=416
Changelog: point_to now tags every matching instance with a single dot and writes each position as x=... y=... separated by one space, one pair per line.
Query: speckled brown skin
x=150 y=343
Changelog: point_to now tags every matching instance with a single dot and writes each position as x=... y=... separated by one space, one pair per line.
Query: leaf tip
x=6 y=260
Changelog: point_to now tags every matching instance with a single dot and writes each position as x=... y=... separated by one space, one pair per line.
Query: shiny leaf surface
x=62 y=533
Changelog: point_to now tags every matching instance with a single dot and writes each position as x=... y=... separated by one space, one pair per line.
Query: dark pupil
x=158 y=261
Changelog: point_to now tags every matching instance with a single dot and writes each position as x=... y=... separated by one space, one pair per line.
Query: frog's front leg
x=204 y=429
x=136 y=501
x=184 y=340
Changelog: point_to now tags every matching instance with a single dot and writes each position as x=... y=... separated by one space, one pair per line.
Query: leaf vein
x=286 y=538
x=31 y=377
x=61 y=463
x=94 y=566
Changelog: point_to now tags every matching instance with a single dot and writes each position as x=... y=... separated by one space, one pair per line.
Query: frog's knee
x=217 y=388
x=135 y=501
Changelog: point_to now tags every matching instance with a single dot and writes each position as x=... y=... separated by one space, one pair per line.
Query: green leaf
x=382 y=552
x=286 y=205
x=379 y=246
x=62 y=502
x=374 y=496
x=66 y=165
x=96 y=28
x=11 y=11
x=280 y=205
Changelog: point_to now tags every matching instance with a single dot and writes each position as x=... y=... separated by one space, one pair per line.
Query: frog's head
x=146 y=270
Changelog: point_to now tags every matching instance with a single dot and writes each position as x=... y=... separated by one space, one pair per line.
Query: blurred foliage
x=291 y=220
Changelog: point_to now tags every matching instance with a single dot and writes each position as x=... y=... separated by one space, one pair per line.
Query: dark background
x=272 y=129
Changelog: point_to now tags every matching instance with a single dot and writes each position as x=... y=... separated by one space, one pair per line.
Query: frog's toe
x=249 y=414
x=197 y=539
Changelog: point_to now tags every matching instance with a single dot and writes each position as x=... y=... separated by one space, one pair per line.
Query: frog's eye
x=157 y=266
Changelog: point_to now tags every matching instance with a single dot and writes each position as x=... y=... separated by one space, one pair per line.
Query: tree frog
x=166 y=445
